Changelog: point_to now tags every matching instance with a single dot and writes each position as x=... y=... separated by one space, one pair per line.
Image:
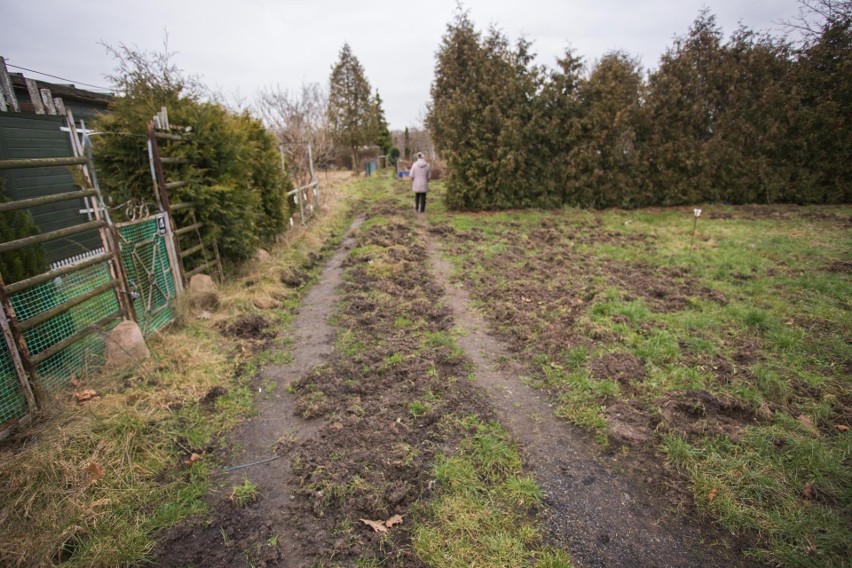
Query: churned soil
x=605 y=511
x=354 y=428
x=349 y=430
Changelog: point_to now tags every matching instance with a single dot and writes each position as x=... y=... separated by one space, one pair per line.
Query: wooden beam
x=65 y=306
x=44 y=237
x=179 y=206
x=192 y=250
x=44 y=200
x=47 y=99
x=175 y=185
x=41 y=162
x=88 y=330
x=7 y=93
x=166 y=136
x=18 y=348
x=184 y=230
x=60 y=106
x=56 y=273
x=201 y=269
x=35 y=96
x=9 y=336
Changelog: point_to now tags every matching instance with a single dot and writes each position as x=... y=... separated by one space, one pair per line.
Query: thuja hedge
x=235 y=174
x=753 y=119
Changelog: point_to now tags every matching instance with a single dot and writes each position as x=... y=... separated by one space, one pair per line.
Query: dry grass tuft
x=90 y=484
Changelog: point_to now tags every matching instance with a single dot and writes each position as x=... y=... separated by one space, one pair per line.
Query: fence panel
x=146 y=263
x=36 y=302
x=13 y=404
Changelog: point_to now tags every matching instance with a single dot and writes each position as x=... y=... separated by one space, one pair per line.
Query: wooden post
x=7 y=92
x=313 y=175
x=299 y=195
x=17 y=346
x=159 y=176
x=107 y=232
x=47 y=99
x=35 y=96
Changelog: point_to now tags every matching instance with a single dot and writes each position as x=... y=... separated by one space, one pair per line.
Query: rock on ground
x=125 y=344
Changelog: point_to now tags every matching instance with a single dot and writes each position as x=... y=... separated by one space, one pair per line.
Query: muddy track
x=361 y=428
x=260 y=453
x=603 y=515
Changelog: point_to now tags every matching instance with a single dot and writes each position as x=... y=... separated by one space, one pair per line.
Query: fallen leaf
x=395 y=520
x=86 y=395
x=192 y=459
x=95 y=471
x=74 y=383
x=712 y=495
x=808 y=491
x=525 y=299
x=336 y=426
x=377 y=526
x=842 y=427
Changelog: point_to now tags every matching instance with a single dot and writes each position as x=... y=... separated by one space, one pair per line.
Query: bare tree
x=297 y=119
x=815 y=14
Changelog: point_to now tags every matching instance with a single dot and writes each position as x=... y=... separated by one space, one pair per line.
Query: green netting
x=143 y=252
x=145 y=261
x=78 y=357
x=13 y=405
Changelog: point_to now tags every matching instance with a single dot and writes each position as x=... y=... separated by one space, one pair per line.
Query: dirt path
x=260 y=454
x=601 y=516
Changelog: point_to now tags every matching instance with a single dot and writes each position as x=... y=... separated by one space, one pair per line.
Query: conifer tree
x=351 y=108
x=606 y=157
x=823 y=125
x=383 y=138
x=684 y=105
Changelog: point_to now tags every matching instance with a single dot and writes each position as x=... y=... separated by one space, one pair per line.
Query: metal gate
x=149 y=274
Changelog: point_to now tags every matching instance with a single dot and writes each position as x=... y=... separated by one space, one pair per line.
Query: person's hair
x=420 y=155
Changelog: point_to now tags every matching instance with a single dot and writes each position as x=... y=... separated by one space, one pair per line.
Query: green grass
x=764 y=321
x=244 y=494
x=481 y=514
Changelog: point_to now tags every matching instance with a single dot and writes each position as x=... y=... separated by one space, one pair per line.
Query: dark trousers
x=420 y=202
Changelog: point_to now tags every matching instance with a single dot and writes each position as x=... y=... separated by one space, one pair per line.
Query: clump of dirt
x=251 y=326
x=294 y=277
x=242 y=533
x=664 y=289
x=623 y=367
x=700 y=413
x=209 y=399
x=628 y=425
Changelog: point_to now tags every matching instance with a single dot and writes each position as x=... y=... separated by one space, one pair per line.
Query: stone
x=262 y=255
x=266 y=303
x=125 y=344
x=202 y=293
x=202 y=284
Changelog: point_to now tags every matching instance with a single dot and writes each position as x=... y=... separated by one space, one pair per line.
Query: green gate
x=149 y=274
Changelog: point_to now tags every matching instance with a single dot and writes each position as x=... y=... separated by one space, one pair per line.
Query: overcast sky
x=240 y=46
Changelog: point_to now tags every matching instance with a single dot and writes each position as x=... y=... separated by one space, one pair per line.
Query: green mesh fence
x=82 y=355
x=13 y=405
x=143 y=252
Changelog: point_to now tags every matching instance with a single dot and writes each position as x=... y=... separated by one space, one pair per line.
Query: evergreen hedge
x=235 y=174
x=750 y=120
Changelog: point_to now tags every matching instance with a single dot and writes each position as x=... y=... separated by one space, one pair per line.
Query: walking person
x=421 y=171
